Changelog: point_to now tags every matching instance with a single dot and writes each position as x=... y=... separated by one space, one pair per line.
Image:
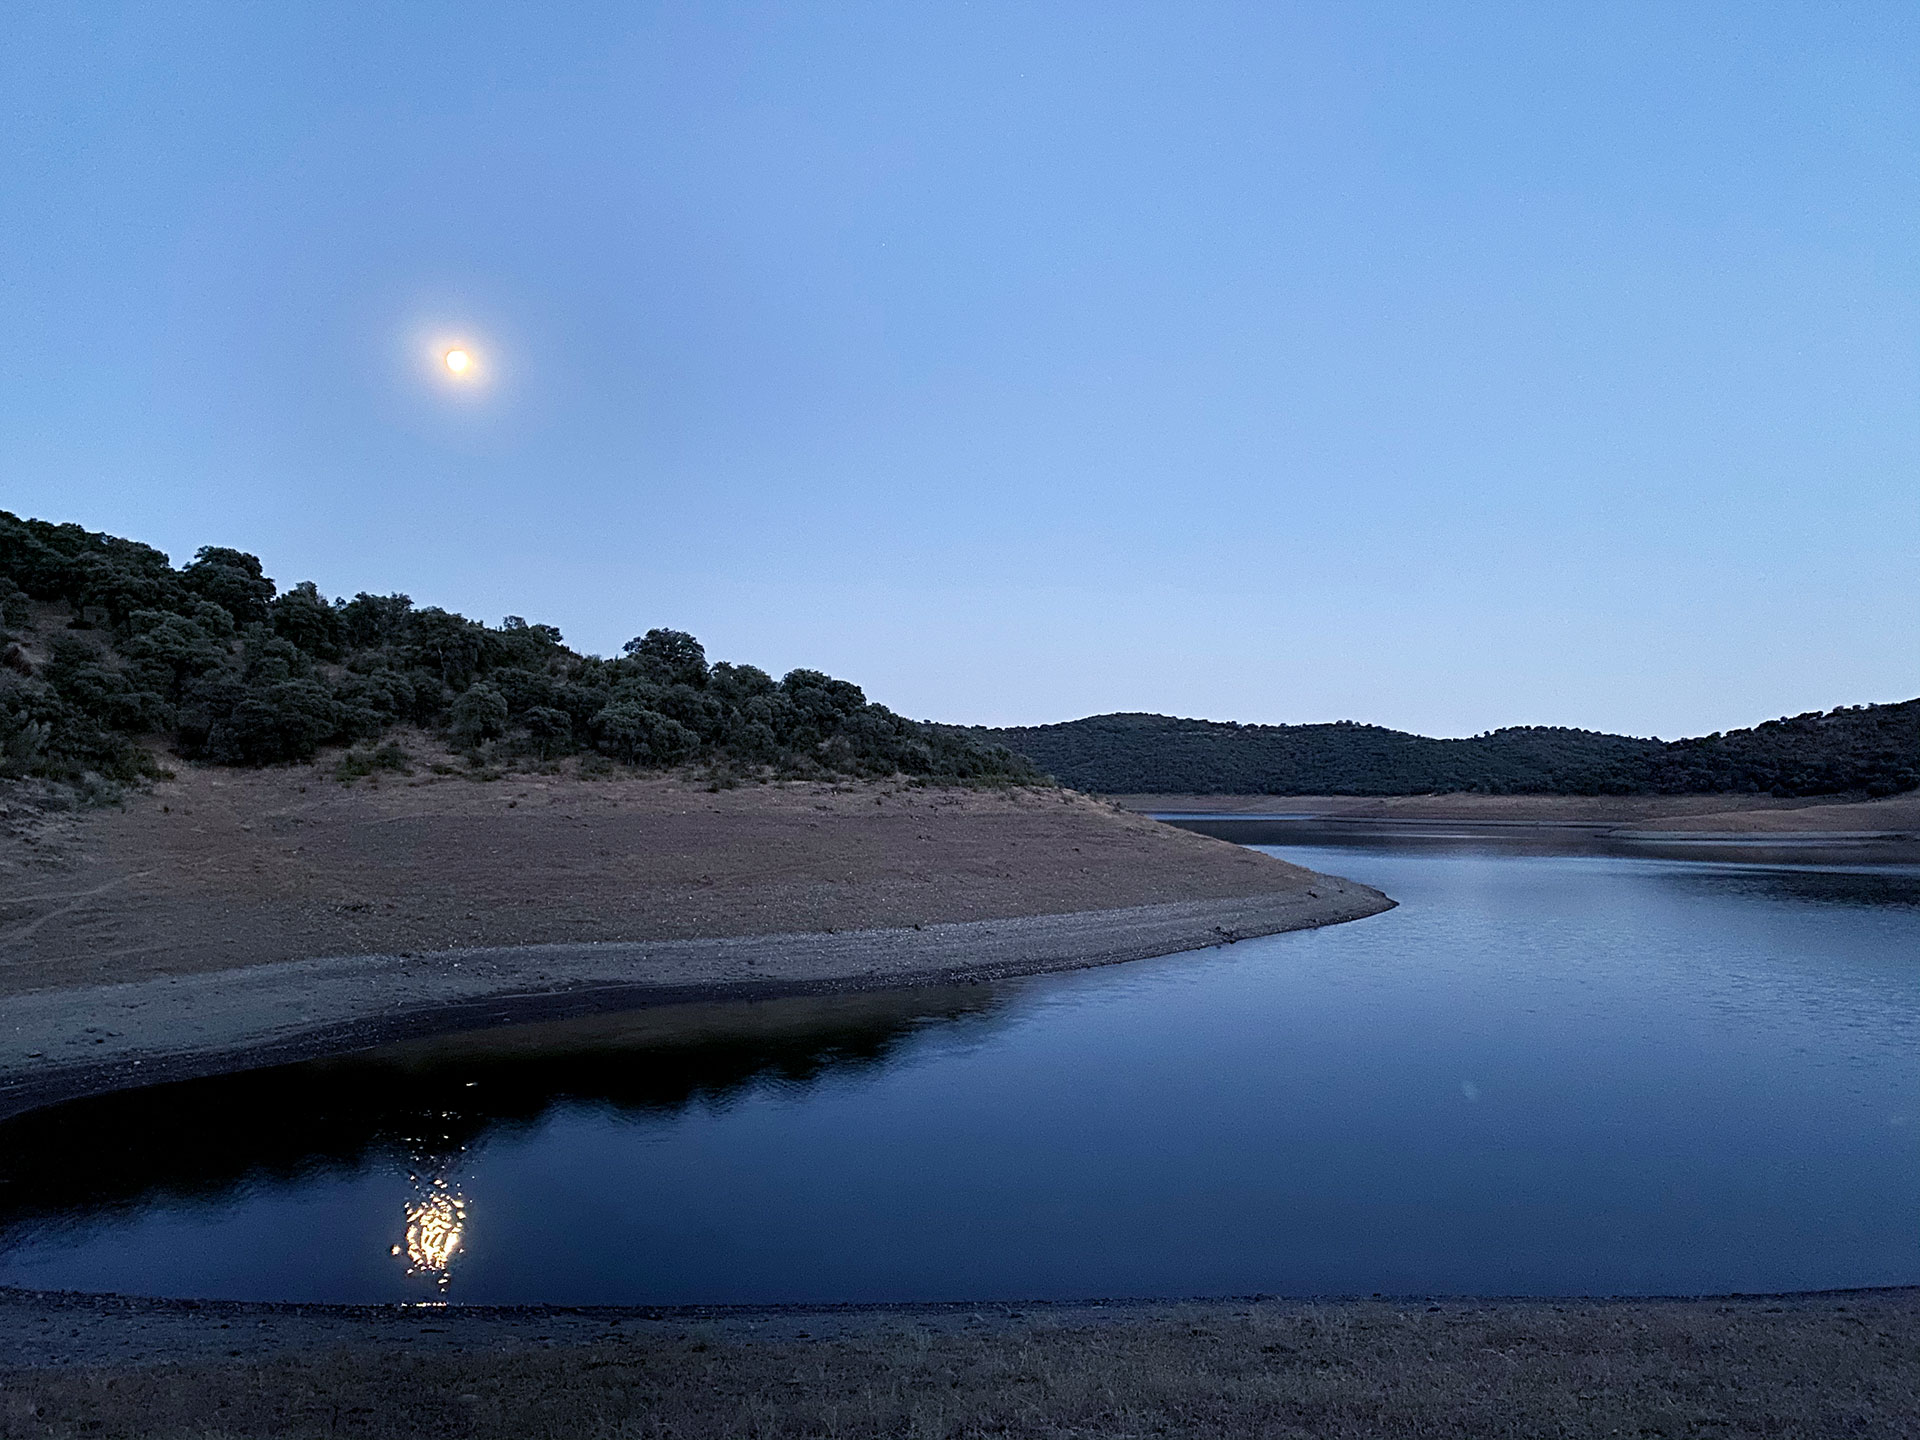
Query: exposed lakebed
x=1543 y=1073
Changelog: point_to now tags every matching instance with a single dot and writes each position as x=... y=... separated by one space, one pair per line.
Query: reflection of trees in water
x=1886 y=871
x=421 y=1106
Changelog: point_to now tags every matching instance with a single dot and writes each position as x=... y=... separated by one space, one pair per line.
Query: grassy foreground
x=1815 y=1365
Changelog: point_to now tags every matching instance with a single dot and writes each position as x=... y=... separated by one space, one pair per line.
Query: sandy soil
x=1721 y=814
x=219 y=869
x=1803 y=1366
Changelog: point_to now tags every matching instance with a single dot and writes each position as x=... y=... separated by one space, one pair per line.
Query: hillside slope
x=1870 y=749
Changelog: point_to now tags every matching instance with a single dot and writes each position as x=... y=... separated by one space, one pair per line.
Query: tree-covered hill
x=1868 y=749
x=106 y=649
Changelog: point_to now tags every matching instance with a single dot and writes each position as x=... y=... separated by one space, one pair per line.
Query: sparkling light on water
x=436 y=1224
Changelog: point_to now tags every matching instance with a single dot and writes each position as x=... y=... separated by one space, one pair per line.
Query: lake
x=1542 y=1074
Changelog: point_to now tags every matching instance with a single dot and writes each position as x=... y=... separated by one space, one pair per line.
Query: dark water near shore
x=1541 y=1074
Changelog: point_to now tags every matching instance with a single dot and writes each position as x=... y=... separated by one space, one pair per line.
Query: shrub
x=549 y=731
x=640 y=736
x=357 y=764
x=275 y=723
x=480 y=713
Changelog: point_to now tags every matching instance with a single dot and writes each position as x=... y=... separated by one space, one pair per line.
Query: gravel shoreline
x=1813 y=1365
x=66 y=1043
x=58 y=1329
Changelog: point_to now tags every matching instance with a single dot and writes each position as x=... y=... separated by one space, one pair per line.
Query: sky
x=1442 y=366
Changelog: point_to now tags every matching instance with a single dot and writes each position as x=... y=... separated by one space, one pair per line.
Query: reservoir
x=1544 y=1073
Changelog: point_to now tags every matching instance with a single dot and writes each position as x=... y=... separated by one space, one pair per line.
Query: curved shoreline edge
x=59 y=1045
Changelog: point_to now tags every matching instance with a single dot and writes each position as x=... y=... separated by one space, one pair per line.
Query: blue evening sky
x=1441 y=365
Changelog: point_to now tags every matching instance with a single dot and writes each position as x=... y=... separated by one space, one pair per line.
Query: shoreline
x=229 y=920
x=170 y=1330
x=1713 y=828
x=63 y=1044
x=1811 y=1363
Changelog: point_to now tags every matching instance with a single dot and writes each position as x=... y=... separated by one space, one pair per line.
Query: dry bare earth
x=1897 y=816
x=219 y=869
x=1801 y=1366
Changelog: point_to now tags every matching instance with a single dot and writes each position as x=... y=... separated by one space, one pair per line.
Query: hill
x=108 y=651
x=1867 y=749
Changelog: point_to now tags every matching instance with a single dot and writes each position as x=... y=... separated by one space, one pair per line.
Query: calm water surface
x=1541 y=1074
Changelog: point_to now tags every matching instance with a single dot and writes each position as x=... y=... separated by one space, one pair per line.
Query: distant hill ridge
x=1866 y=749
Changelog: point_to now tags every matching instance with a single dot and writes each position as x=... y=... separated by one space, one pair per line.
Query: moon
x=458 y=361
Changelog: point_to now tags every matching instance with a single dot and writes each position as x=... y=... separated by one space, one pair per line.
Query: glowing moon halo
x=455 y=361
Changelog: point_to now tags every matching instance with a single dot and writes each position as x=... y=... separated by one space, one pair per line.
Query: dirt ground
x=223 y=868
x=1723 y=814
x=1816 y=1366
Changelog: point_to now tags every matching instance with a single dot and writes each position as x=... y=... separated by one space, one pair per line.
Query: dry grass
x=1825 y=1366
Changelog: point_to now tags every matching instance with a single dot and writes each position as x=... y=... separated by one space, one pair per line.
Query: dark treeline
x=107 y=647
x=1869 y=749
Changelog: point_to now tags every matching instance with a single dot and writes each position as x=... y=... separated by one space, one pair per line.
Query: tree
x=820 y=702
x=735 y=684
x=447 y=644
x=167 y=652
x=306 y=619
x=549 y=730
x=369 y=622
x=232 y=579
x=669 y=657
x=479 y=714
